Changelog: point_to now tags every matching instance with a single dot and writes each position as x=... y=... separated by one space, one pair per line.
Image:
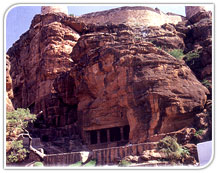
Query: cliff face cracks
x=87 y=77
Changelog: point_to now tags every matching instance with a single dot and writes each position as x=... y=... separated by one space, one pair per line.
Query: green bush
x=192 y=55
x=77 y=164
x=38 y=164
x=173 y=150
x=199 y=132
x=177 y=53
x=163 y=47
x=18 y=120
x=206 y=83
x=18 y=153
x=16 y=123
x=124 y=163
x=73 y=15
x=90 y=163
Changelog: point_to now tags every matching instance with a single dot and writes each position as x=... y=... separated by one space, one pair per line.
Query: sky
x=18 y=19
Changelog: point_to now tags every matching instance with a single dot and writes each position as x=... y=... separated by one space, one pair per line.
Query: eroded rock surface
x=119 y=80
x=37 y=59
x=199 y=39
x=9 y=91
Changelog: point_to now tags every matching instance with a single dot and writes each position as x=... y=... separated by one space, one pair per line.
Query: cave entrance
x=93 y=137
x=103 y=135
x=126 y=130
x=109 y=135
x=45 y=138
x=115 y=134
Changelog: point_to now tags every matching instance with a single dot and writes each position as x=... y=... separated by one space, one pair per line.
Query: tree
x=172 y=148
x=16 y=124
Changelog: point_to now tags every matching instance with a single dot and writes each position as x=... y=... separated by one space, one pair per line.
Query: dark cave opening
x=115 y=134
x=126 y=130
x=93 y=136
x=103 y=135
x=45 y=138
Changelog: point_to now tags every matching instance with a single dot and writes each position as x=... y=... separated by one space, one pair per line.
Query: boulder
x=192 y=148
x=154 y=154
x=132 y=159
x=199 y=16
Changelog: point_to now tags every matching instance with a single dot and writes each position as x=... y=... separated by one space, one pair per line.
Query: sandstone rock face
x=165 y=37
x=199 y=39
x=120 y=81
x=9 y=91
x=127 y=15
x=192 y=10
x=184 y=135
x=37 y=59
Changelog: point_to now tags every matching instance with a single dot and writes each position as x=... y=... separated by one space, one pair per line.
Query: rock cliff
x=87 y=78
x=199 y=38
x=120 y=80
x=37 y=59
x=9 y=90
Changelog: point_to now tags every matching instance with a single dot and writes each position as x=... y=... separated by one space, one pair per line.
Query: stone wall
x=104 y=156
x=54 y=9
x=132 y=16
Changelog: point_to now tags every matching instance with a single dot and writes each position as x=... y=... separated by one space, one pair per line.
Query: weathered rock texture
x=91 y=77
x=37 y=59
x=192 y=10
x=199 y=38
x=140 y=15
x=119 y=80
x=9 y=91
x=165 y=37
